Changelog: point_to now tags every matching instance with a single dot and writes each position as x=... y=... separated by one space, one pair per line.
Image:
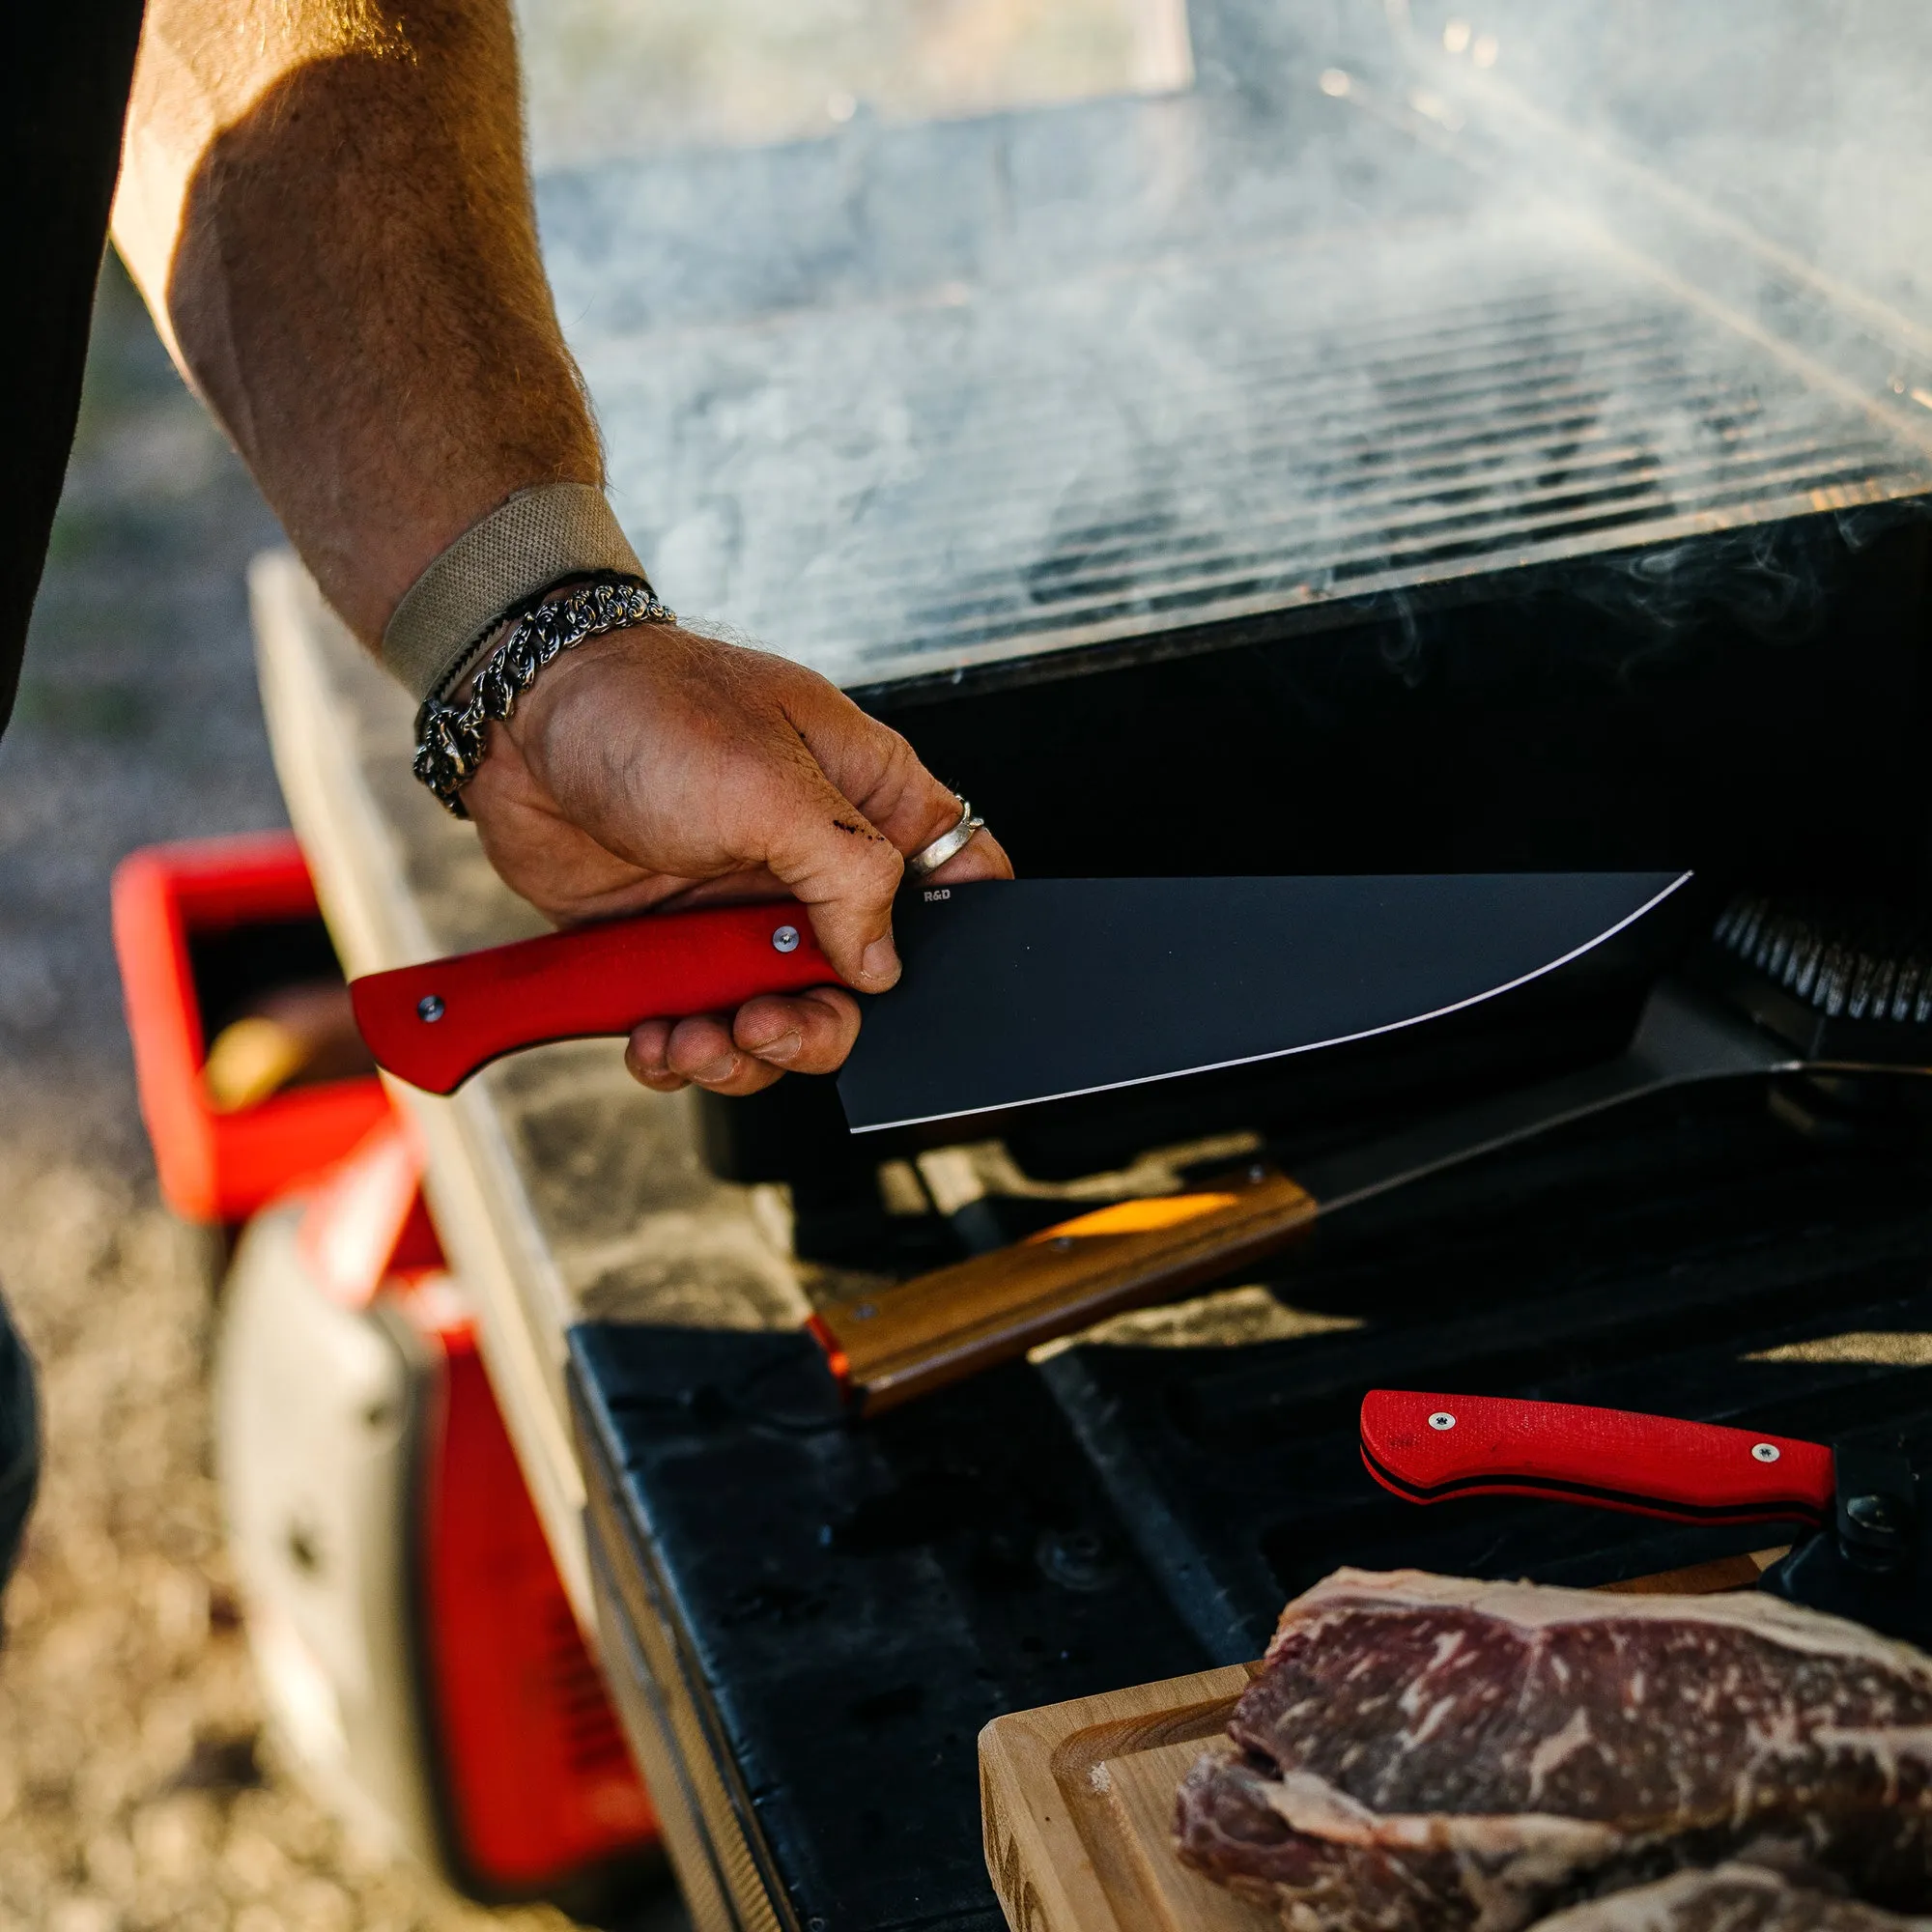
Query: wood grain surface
x=1076 y=1799
x=958 y=1320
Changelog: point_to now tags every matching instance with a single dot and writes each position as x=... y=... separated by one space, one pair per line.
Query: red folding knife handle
x=435 y=1025
x=1429 y=1447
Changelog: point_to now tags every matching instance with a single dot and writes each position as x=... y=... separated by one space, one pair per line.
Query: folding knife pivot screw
x=429 y=1009
x=785 y=939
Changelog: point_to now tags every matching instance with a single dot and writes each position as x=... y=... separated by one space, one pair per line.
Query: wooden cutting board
x=1076 y=1799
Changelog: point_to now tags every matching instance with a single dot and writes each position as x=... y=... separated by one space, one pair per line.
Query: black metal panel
x=1766 y=729
x=851 y=1606
x=858 y=1600
x=1760 y=728
x=1638 y=1262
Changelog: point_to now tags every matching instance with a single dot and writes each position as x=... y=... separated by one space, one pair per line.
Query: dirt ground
x=136 y=1786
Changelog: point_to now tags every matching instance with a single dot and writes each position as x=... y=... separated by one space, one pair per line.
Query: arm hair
x=327 y=204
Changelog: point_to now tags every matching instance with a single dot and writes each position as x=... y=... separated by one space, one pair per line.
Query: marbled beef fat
x=1433 y=1754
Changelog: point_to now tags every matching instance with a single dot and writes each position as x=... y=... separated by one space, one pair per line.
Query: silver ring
x=921 y=864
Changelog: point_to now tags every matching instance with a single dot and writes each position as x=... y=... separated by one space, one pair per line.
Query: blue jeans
x=20 y=1440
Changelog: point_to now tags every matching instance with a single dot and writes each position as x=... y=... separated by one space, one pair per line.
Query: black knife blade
x=1017 y=992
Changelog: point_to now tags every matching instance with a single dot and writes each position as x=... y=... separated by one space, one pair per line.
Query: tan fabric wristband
x=538 y=539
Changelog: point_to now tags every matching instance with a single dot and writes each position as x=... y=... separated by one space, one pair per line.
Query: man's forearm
x=325 y=203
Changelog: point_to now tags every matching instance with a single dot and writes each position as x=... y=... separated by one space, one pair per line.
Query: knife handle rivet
x=1258 y=1173
x=1442 y=1419
x=785 y=939
x=1763 y=1452
x=429 y=1007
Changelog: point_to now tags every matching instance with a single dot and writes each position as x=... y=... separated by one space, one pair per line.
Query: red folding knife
x=1427 y=1448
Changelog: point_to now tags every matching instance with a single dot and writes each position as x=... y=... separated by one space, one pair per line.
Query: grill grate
x=912 y=487
x=1698 y=1259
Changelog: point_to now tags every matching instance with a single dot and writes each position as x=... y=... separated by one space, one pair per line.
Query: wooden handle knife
x=1429 y=1447
x=910 y=1340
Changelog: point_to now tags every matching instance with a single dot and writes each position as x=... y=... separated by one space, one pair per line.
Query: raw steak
x=1731 y=1898
x=1428 y=1755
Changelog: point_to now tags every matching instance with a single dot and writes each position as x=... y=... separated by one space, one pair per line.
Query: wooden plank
x=722 y=1882
x=357 y=856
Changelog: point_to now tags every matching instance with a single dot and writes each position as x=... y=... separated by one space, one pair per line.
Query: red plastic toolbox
x=191 y=921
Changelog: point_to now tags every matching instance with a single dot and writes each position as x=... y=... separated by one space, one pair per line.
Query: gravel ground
x=137 y=1787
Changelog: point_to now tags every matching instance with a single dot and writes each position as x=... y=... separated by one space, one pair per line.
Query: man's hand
x=653 y=766
x=327 y=208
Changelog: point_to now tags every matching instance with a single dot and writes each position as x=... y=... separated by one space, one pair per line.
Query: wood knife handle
x=434 y=1025
x=907 y=1340
x=1429 y=1447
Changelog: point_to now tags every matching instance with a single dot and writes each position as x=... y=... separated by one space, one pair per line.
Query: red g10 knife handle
x=435 y=1025
x=1429 y=1447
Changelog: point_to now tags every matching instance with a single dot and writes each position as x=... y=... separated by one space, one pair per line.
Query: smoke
x=605 y=78
x=1394 y=294
x=1806 y=119
x=1771 y=168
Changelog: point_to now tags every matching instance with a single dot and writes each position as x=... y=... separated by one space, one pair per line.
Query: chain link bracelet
x=450 y=738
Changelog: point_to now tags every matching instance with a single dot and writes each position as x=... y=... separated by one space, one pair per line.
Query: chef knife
x=1864 y=1554
x=1035 y=989
x=1020 y=992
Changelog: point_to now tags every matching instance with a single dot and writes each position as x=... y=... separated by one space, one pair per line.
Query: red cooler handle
x=1430 y=1447
x=435 y=1025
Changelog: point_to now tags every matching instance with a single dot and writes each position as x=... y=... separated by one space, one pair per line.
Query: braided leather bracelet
x=451 y=738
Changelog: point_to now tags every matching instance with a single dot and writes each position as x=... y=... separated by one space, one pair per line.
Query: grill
x=1726 y=1268
x=1318 y=503
x=1206 y=486
x=1098 y=461
x=1132 y=1509
x=931 y=484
